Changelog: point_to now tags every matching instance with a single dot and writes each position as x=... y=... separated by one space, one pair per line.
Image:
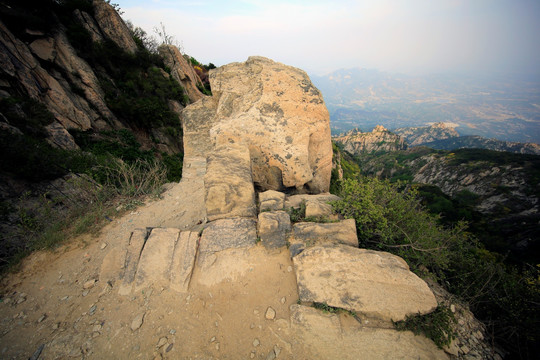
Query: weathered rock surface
x=374 y=283
x=182 y=71
x=315 y=234
x=156 y=258
x=228 y=183
x=276 y=112
x=183 y=260
x=273 y=228
x=112 y=25
x=271 y=200
x=133 y=253
x=331 y=336
x=380 y=139
x=228 y=234
x=419 y=135
x=295 y=201
x=318 y=209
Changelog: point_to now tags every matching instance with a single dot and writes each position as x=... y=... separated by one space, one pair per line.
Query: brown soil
x=221 y=317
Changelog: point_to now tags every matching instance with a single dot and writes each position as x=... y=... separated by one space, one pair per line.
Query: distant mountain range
x=499 y=107
x=436 y=136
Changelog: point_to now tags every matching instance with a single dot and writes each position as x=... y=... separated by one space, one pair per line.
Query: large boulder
x=335 y=336
x=374 y=283
x=276 y=112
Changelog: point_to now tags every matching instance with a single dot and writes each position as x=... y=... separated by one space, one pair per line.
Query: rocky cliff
x=67 y=57
x=419 y=135
x=443 y=137
x=380 y=139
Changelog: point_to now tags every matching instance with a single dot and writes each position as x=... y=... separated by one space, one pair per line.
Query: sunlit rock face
x=276 y=113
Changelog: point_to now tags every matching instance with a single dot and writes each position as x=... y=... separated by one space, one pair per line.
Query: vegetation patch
x=437 y=326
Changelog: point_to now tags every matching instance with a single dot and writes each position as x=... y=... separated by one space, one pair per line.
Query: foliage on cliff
x=390 y=216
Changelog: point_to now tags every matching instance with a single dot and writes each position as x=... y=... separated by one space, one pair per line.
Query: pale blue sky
x=319 y=36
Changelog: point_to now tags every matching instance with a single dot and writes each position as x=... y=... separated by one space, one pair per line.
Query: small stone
x=89 y=284
x=92 y=310
x=103 y=246
x=172 y=332
x=85 y=292
x=277 y=350
x=453 y=308
x=43 y=317
x=217 y=346
x=55 y=326
x=169 y=348
x=271 y=355
x=283 y=299
x=252 y=355
x=21 y=300
x=256 y=342
x=289 y=268
x=270 y=314
x=95 y=334
x=465 y=349
x=213 y=339
x=96 y=328
x=137 y=321
x=479 y=335
x=256 y=312
x=252 y=326
x=162 y=341
x=64 y=298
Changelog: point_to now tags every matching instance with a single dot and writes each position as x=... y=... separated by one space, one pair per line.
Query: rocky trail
x=216 y=269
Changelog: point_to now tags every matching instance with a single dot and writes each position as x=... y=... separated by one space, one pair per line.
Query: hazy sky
x=319 y=36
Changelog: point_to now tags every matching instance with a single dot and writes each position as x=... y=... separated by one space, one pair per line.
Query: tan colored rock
x=183 y=260
x=229 y=188
x=337 y=336
x=113 y=27
x=271 y=200
x=133 y=252
x=182 y=71
x=374 y=283
x=60 y=137
x=44 y=48
x=318 y=209
x=315 y=234
x=380 y=139
x=273 y=228
x=156 y=258
x=276 y=112
x=295 y=201
x=226 y=234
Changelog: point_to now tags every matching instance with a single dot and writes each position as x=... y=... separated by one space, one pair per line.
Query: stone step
x=159 y=257
x=374 y=283
x=309 y=234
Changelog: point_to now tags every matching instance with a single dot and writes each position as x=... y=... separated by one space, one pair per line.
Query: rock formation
x=380 y=139
x=277 y=114
x=182 y=71
x=415 y=136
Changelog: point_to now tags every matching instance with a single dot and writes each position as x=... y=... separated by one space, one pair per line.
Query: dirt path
x=54 y=301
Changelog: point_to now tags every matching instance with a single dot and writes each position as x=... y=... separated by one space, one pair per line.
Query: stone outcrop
x=415 y=136
x=328 y=335
x=112 y=25
x=380 y=139
x=273 y=228
x=228 y=183
x=276 y=112
x=271 y=200
x=374 y=283
x=182 y=71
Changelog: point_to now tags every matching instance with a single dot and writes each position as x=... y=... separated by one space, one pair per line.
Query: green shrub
x=437 y=326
